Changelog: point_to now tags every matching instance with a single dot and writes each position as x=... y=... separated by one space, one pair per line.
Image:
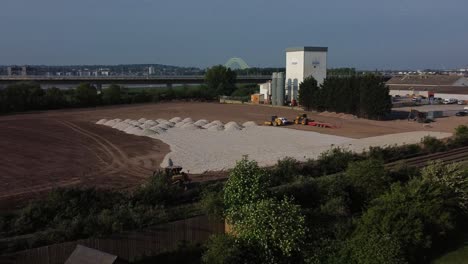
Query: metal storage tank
x=280 y=90
x=274 y=80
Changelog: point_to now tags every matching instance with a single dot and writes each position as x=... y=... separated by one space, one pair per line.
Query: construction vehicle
x=420 y=117
x=175 y=175
x=276 y=121
x=302 y=119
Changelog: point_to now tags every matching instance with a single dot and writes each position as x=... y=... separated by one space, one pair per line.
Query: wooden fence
x=129 y=245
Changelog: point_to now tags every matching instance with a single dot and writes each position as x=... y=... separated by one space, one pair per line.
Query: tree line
x=28 y=96
x=364 y=96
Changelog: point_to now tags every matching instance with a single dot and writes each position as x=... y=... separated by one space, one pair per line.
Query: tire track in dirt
x=120 y=160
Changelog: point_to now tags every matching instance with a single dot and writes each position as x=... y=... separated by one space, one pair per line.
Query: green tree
x=451 y=176
x=23 y=96
x=247 y=183
x=112 y=94
x=220 y=79
x=86 y=95
x=307 y=93
x=54 y=98
x=277 y=226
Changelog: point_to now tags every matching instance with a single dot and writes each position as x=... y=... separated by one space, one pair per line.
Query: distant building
x=443 y=86
x=17 y=71
x=265 y=89
x=304 y=62
x=151 y=70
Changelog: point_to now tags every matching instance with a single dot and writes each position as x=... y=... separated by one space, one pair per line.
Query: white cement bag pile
x=142 y=120
x=102 y=121
x=216 y=128
x=134 y=122
x=160 y=120
x=190 y=126
x=175 y=119
x=188 y=120
x=201 y=122
x=249 y=124
x=127 y=120
x=213 y=123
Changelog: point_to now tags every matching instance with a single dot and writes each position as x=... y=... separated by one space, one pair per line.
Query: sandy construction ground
x=202 y=145
x=43 y=150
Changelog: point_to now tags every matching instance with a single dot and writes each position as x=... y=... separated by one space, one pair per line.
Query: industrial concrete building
x=303 y=62
x=442 y=86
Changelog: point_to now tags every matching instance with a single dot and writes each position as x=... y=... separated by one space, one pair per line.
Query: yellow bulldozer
x=301 y=119
x=276 y=121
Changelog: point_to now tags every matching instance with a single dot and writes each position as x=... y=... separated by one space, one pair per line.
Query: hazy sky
x=366 y=34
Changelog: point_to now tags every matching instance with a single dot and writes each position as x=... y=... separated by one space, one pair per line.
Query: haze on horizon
x=366 y=34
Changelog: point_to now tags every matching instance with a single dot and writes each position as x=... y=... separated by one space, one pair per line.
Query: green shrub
x=432 y=144
x=212 y=203
x=157 y=190
x=286 y=170
x=368 y=179
x=335 y=160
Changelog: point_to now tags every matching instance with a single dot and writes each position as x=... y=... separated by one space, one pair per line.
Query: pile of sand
x=217 y=146
x=249 y=124
x=175 y=119
x=190 y=126
x=158 y=130
x=201 y=122
x=113 y=122
x=216 y=128
x=102 y=121
x=122 y=125
x=232 y=126
x=163 y=126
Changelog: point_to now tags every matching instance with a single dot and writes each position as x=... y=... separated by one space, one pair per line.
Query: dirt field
x=41 y=151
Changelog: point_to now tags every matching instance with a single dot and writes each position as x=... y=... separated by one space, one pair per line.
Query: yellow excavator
x=301 y=119
x=276 y=121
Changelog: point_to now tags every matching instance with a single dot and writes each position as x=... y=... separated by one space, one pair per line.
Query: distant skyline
x=365 y=34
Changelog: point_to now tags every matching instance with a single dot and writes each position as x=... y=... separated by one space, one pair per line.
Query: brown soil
x=42 y=151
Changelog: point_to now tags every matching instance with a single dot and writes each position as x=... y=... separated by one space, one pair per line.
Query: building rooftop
x=323 y=49
x=435 y=89
x=85 y=255
x=408 y=80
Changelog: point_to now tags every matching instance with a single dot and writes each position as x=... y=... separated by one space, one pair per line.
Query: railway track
x=451 y=156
